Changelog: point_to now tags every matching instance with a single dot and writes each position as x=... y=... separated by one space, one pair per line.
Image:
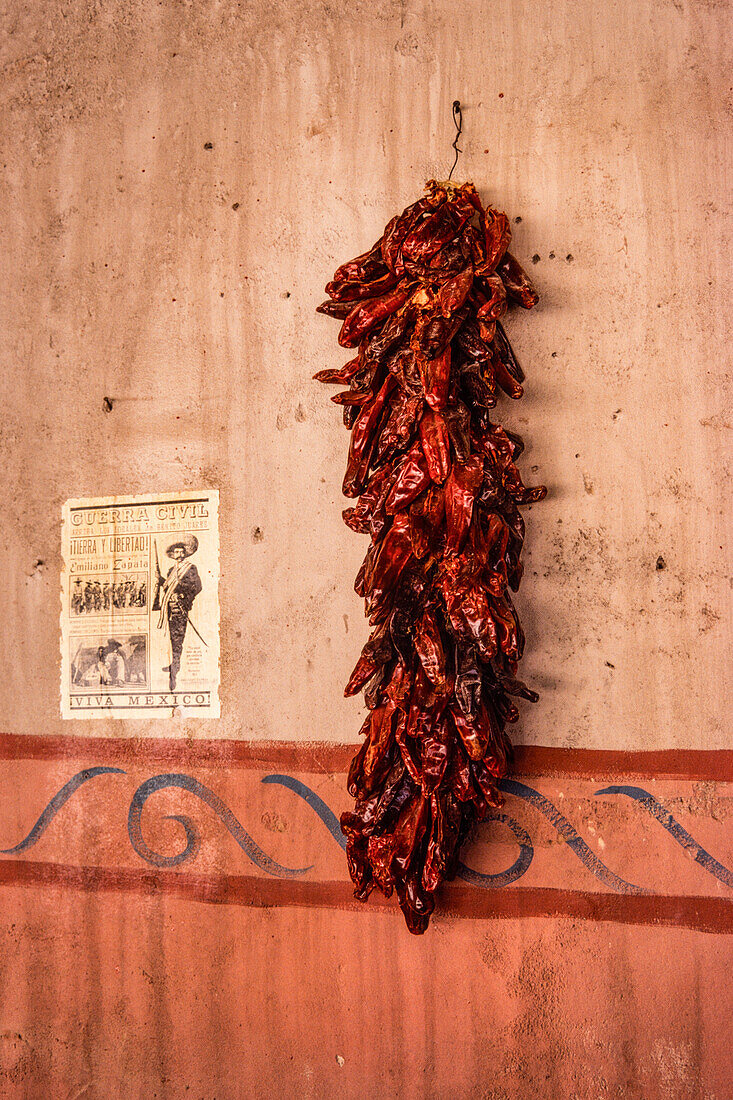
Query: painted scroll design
x=222 y=811
x=59 y=799
x=673 y=827
x=265 y=863
x=478 y=878
x=143 y=792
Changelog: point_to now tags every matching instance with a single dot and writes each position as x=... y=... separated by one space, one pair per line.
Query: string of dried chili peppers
x=439 y=496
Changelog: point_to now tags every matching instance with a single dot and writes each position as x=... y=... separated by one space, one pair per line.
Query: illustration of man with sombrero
x=174 y=596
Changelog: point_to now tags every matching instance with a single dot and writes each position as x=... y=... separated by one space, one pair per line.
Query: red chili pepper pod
x=460 y=492
x=493 y=299
x=364 y=316
x=497 y=236
x=435 y=750
x=355 y=291
x=362 y=268
x=394 y=552
x=413 y=477
x=363 y=441
x=429 y=648
x=453 y=293
x=517 y=282
x=425 y=521
x=435 y=442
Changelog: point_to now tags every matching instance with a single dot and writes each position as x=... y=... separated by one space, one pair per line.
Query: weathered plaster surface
x=180 y=281
x=176 y=999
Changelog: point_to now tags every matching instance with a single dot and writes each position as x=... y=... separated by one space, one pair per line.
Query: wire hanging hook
x=458 y=121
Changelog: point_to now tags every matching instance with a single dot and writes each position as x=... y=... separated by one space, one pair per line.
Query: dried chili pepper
x=439 y=495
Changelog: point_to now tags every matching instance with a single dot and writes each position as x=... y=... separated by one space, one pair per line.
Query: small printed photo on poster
x=97 y=595
x=100 y=661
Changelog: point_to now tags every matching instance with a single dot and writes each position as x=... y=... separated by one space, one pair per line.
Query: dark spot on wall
x=235 y=206
x=257 y=534
x=609 y=665
x=517 y=220
x=208 y=145
x=274 y=821
x=536 y=258
x=552 y=255
x=710 y=617
x=554 y=355
x=661 y=563
x=107 y=404
x=569 y=257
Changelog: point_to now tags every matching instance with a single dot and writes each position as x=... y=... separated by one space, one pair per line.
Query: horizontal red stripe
x=323 y=757
x=703 y=914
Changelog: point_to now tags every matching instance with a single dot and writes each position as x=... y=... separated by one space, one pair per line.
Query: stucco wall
x=210 y=1003
x=180 y=282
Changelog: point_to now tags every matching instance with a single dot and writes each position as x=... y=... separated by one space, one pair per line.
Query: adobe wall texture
x=179 y=281
x=175 y=1000
x=178 y=181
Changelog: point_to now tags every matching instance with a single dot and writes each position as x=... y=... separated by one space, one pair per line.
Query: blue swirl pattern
x=220 y=808
x=260 y=858
x=673 y=827
x=59 y=799
x=326 y=814
x=575 y=843
x=488 y=882
x=517 y=869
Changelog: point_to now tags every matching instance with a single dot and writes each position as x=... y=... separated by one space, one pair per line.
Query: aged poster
x=140 y=606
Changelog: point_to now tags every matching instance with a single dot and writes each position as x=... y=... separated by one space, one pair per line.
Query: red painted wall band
x=322 y=757
x=702 y=914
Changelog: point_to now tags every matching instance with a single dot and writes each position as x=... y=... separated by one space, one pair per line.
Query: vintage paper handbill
x=140 y=606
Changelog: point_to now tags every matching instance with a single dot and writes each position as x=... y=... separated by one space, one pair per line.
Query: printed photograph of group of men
x=90 y=594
